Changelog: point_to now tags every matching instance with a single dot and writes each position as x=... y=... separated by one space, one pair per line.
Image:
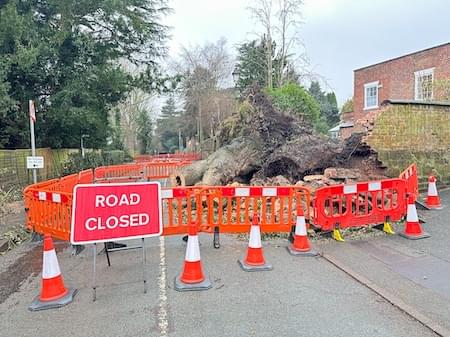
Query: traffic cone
x=54 y=294
x=433 y=200
x=301 y=245
x=413 y=230
x=192 y=277
x=254 y=261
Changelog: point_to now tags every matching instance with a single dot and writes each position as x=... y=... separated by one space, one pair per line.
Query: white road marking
x=163 y=322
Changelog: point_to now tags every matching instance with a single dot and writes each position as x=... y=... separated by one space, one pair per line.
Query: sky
x=339 y=35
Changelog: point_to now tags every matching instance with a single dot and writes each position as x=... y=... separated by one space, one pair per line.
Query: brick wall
x=406 y=133
x=396 y=77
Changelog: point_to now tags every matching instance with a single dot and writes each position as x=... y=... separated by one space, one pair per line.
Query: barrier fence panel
x=136 y=172
x=162 y=170
x=412 y=180
x=230 y=209
x=182 y=156
x=182 y=206
x=48 y=212
x=119 y=173
x=361 y=204
x=86 y=177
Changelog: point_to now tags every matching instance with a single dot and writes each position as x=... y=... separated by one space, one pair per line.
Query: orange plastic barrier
x=181 y=156
x=224 y=209
x=119 y=173
x=135 y=172
x=375 y=202
x=48 y=212
x=412 y=181
x=230 y=209
x=162 y=169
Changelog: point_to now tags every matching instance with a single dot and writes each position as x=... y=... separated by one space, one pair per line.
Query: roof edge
x=405 y=55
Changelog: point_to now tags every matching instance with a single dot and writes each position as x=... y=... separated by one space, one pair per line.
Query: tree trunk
x=235 y=161
x=189 y=175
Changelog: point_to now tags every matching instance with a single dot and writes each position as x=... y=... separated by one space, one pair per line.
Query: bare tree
x=136 y=103
x=207 y=72
x=288 y=16
x=280 y=20
x=262 y=12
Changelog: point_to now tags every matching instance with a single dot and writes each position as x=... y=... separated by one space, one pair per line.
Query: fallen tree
x=259 y=142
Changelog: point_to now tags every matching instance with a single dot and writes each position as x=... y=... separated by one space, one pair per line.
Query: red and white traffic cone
x=413 y=230
x=433 y=200
x=53 y=294
x=301 y=246
x=192 y=277
x=254 y=261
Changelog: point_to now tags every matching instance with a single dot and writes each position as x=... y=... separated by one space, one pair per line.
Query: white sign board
x=35 y=162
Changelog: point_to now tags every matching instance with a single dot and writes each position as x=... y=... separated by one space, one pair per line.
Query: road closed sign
x=112 y=212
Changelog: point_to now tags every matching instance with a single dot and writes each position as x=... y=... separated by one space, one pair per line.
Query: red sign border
x=72 y=220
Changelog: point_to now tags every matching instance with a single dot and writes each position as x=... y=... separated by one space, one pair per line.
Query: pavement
x=301 y=296
x=13 y=218
x=416 y=271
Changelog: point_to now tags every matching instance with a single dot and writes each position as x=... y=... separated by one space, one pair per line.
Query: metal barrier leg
x=144 y=258
x=216 y=242
x=94 y=281
x=291 y=234
x=77 y=249
x=107 y=255
x=36 y=237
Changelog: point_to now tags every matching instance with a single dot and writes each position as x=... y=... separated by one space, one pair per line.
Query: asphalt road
x=300 y=297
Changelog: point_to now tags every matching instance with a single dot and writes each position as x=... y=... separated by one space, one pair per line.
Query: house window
x=424 y=84
x=371 y=95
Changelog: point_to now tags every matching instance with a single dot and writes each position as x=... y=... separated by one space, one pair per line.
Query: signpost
x=120 y=211
x=32 y=111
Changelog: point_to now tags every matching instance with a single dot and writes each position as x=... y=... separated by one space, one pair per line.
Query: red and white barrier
x=50 y=196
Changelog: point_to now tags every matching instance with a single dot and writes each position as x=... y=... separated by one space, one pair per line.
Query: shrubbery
x=294 y=99
x=77 y=163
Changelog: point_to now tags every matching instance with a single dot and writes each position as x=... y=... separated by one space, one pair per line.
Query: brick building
x=418 y=76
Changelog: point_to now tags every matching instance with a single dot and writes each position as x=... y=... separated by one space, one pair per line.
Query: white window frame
x=417 y=75
x=376 y=85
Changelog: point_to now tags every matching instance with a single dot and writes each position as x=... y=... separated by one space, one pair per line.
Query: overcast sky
x=339 y=35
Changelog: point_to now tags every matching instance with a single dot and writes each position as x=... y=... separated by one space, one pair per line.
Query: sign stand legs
x=143 y=266
x=94 y=281
x=107 y=254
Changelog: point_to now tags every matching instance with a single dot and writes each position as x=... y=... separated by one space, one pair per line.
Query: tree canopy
x=65 y=55
x=329 y=111
x=294 y=99
x=168 y=126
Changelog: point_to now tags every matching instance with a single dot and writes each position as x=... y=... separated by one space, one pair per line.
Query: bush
x=295 y=100
x=77 y=163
